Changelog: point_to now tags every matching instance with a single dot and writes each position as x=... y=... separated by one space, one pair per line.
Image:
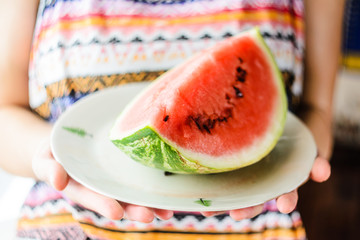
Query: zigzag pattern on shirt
x=138 y=39
x=49 y=228
x=182 y=37
x=192 y=222
x=48 y=208
x=197 y=223
x=54 y=211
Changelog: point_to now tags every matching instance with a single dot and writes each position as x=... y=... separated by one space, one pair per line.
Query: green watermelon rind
x=147 y=147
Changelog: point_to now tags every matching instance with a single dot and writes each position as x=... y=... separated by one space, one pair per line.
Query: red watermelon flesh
x=222 y=109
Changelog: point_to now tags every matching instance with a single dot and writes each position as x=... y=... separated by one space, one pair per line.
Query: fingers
x=101 y=204
x=59 y=177
x=163 y=214
x=246 y=213
x=210 y=214
x=139 y=213
x=145 y=214
x=48 y=170
x=321 y=170
x=286 y=203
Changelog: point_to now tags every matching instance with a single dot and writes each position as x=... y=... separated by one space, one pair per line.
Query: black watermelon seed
x=241 y=71
x=197 y=122
x=240 y=79
x=241 y=60
x=166 y=118
x=240 y=74
x=206 y=128
x=238 y=93
x=207 y=122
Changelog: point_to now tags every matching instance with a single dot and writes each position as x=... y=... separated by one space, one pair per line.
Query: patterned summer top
x=82 y=46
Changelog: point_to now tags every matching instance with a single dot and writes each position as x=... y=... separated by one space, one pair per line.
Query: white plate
x=96 y=163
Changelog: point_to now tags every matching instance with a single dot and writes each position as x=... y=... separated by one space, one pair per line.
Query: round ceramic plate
x=81 y=144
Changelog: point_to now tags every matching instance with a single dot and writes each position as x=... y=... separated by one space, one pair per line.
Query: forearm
x=22 y=133
x=323 y=21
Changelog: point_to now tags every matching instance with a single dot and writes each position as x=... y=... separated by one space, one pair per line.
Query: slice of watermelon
x=222 y=109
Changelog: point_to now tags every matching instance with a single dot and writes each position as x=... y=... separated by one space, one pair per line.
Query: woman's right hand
x=47 y=169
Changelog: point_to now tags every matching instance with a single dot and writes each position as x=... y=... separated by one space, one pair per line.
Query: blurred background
x=331 y=210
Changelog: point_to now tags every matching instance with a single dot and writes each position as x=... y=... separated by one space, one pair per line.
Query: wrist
x=319 y=121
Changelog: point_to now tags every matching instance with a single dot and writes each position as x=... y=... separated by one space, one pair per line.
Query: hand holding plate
x=50 y=171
